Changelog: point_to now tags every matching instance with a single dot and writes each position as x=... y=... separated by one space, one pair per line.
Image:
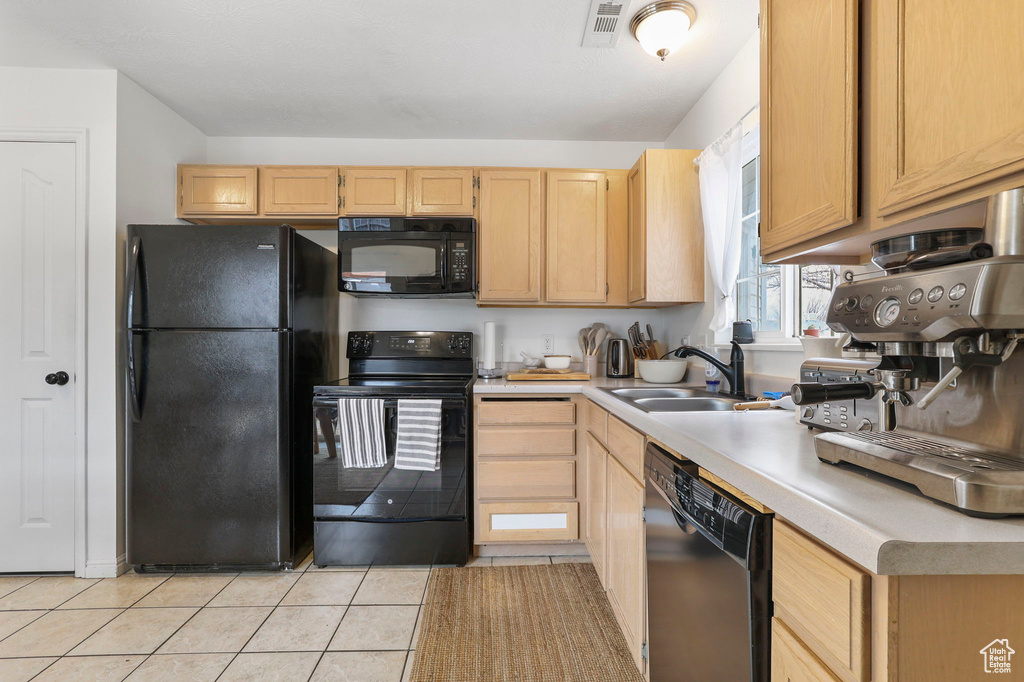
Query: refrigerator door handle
x=129 y=342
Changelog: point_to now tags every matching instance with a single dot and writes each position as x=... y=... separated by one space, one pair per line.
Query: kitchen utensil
x=583 y=339
x=662 y=371
x=785 y=403
x=602 y=334
x=530 y=361
x=591 y=339
x=650 y=333
x=557 y=361
x=619 y=359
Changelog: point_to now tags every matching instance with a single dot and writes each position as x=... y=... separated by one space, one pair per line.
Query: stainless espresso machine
x=945 y=318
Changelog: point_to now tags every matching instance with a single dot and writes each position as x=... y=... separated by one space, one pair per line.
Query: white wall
x=373 y=152
x=729 y=98
x=71 y=98
x=151 y=140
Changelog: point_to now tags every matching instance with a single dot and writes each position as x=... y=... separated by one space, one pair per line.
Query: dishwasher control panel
x=729 y=524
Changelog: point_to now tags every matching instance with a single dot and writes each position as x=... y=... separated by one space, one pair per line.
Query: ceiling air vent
x=604 y=23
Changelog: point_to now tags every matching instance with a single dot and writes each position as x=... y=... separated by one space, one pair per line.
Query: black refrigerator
x=228 y=328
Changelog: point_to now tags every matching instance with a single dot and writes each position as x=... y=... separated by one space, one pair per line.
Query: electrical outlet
x=685 y=341
x=549 y=343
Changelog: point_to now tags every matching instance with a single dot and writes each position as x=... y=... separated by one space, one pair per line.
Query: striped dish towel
x=419 y=435
x=361 y=431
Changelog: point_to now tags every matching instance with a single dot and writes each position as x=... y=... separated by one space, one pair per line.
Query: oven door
x=392 y=262
x=386 y=493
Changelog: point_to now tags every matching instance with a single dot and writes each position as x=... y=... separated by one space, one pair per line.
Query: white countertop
x=881 y=524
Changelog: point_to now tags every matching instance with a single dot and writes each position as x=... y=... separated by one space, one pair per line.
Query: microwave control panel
x=460 y=260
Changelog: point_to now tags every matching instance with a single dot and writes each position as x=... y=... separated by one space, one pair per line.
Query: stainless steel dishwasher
x=708 y=579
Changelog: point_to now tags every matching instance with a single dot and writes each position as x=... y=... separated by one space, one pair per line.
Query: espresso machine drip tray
x=975 y=482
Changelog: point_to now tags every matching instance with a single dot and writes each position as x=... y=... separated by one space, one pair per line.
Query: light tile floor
x=351 y=624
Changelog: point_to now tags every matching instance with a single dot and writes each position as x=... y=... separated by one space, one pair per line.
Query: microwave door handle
x=444 y=263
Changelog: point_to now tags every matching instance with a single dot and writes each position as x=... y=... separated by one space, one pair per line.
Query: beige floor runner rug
x=520 y=624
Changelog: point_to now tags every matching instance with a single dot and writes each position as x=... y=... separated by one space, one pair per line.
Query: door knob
x=58 y=378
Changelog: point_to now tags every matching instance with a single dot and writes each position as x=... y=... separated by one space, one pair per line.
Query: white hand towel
x=361 y=432
x=419 y=435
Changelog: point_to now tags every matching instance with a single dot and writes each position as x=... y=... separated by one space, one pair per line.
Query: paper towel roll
x=488 y=350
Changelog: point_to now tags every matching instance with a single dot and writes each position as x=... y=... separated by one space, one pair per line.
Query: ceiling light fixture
x=661 y=27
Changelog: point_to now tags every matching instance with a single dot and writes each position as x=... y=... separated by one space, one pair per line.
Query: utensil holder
x=590 y=365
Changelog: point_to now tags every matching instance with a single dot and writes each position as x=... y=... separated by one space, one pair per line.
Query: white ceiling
x=383 y=68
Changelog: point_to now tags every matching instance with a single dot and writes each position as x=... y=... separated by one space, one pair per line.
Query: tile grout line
x=273 y=608
x=336 y=627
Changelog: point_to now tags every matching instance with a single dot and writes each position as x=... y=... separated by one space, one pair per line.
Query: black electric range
x=386 y=515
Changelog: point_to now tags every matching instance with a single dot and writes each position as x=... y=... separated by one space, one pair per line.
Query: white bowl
x=662 y=371
x=557 y=361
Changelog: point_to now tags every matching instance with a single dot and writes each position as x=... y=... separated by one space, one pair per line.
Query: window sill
x=793 y=346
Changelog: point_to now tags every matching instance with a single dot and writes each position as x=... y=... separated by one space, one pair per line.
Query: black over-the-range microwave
x=407 y=257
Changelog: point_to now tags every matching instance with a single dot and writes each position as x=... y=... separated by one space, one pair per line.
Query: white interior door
x=37 y=342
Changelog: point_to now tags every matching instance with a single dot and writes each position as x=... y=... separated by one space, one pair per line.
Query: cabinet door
x=299 y=190
x=509 y=236
x=626 y=565
x=637 y=197
x=792 y=661
x=216 y=190
x=597 y=481
x=441 y=191
x=809 y=66
x=577 y=237
x=374 y=191
x=949 y=94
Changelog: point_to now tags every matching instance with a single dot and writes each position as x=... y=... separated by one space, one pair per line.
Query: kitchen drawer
x=597 y=421
x=824 y=599
x=525 y=412
x=525 y=440
x=627 y=445
x=527 y=521
x=526 y=479
x=794 y=662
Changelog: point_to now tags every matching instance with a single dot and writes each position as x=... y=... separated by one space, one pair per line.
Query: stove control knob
x=464 y=342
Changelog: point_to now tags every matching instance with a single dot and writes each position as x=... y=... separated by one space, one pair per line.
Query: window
x=781 y=301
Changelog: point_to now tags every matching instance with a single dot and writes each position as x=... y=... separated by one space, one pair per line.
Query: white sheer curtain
x=721 y=187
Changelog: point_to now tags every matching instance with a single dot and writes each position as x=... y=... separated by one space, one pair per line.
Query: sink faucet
x=733 y=371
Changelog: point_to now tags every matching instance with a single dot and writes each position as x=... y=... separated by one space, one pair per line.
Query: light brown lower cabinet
x=794 y=662
x=626 y=562
x=525 y=470
x=596 y=503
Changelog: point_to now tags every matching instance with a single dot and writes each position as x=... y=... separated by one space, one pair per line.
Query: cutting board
x=547 y=375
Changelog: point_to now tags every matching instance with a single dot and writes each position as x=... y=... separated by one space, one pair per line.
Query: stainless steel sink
x=635 y=393
x=672 y=399
x=685 y=404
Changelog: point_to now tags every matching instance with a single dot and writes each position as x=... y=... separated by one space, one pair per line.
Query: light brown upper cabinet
x=509 y=236
x=949 y=98
x=902 y=115
x=809 y=137
x=441 y=191
x=577 y=237
x=373 y=191
x=665 y=231
x=299 y=190
x=216 y=190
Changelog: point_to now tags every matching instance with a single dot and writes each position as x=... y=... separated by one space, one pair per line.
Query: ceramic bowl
x=557 y=361
x=662 y=371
